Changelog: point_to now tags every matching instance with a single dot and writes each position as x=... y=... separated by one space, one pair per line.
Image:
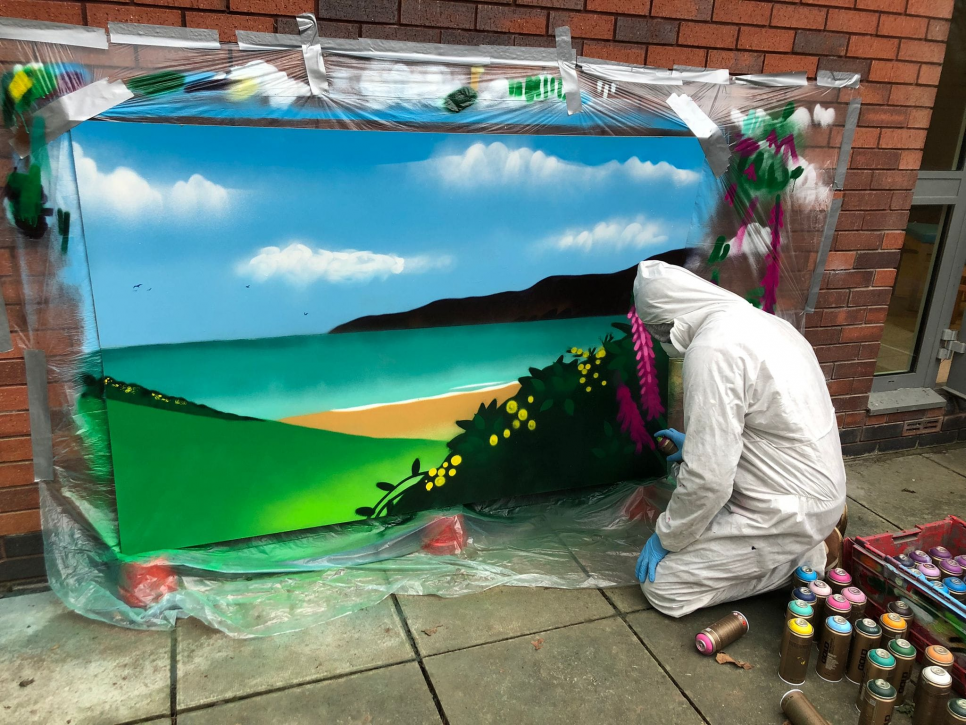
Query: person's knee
x=663 y=599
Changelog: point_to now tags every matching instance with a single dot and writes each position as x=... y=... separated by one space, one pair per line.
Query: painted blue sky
x=206 y=232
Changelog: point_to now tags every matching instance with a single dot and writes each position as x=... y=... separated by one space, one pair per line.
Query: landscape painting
x=307 y=327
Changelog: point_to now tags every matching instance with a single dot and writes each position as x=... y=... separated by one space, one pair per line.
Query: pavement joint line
x=866 y=506
x=419 y=660
x=149 y=718
x=623 y=618
x=173 y=703
x=943 y=465
x=284 y=688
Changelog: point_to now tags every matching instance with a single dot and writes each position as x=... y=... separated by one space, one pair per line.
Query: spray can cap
x=892 y=621
x=854 y=595
x=928 y=570
x=961 y=560
x=838 y=603
x=804 y=594
x=955 y=584
x=839 y=624
x=882 y=657
x=800 y=608
x=948 y=566
x=937 y=676
x=957 y=707
x=820 y=588
x=801 y=627
x=901 y=608
x=881 y=688
x=839 y=576
x=940 y=552
x=920 y=557
x=939 y=654
x=901 y=647
x=868 y=626
x=806 y=574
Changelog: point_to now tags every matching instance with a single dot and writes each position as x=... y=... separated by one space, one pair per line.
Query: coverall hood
x=664 y=293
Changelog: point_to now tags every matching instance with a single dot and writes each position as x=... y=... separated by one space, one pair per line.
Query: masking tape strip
x=251 y=40
x=6 y=341
x=62 y=114
x=312 y=53
x=378 y=49
x=567 y=62
x=692 y=74
x=848 y=135
x=708 y=134
x=837 y=79
x=830 y=221
x=41 y=31
x=631 y=74
x=164 y=36
x=41 y=440
x=799 y=78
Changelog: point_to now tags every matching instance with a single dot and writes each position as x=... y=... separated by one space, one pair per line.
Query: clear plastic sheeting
x=756 y=230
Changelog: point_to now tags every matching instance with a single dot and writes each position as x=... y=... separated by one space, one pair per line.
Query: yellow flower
x=580 y=351
x=444 y=464
x=432 y=472
x=440 y=481
x=596 y=362
x=603 y=382
x=588 y=388
x=601 y=352
x=516 y=424
x=511 y=406
x=530 y=399
x=127 y=389
x=596 y=375
x=456 y=460
x=452 y=472
x=506 y=432
x=573 y=350
x=532 y=424
x=493 y=440
x=583 y=380
x=522 y=415
x=429 y=486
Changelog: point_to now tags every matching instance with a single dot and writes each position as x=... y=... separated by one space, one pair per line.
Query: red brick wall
x=897 y=46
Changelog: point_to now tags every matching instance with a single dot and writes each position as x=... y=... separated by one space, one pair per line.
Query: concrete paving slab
x=596 y=672
x=954 y=460
x=395 y=695
x=56 y=666
x=628 y=599
x=907 y=490
x=727 y=695
x=865 y=522
x=440 y=625
x=214 y=667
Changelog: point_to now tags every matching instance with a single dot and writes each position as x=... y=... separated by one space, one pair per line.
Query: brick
x=790 y=63
x=929 y=74
x=901 y=200
x=859 y=449
x=869 y=297
x=511 y=19
x=878 y=432
x=919 y=117
x=12 y=372
x=938 y=30
x=876 y=93
x=199 y=4
x=831 y=298
x=437 y=13
x=631 y=7
x=56 y=12
x=854 y=278
x=29 y=567
x=16 y=474
x=846 y=65
x=852 y=22
x=708 y=35
x=889 y=6
x=823 y=335
x=647 y=30
x=850 y=435
x=401 y=32
x=862 y=200
x=469 y=37
x=737 y=62
x=864 y=46
x=937 y=439
x=544 y=41
x=890 y=71
x=902 y=138
x=19 y=499
x=893 y=240
x=13 y=397
x=836 y=353
x=912 y=96
x=839 y=260
x=931 y=8
x=584 y=25
x=327 y=28
x=100 y=15
x=850 y=221
x=562 y=4
x=272 y=7
x=19 y=522
x=769 y=39
x=14 y=424
x=856 y=241
x=884 y=278
x=226 y=25
x=903 y=26
x=23 y=545
x=843 y=316
x=893 y=179
x=15 y=449
x=662 y=56
x=890 y=445
x=884 y=116
x=884 y=221
x=924 y=51
x=798 y=16
x=685 y=9
x=862 y=385
x=844 y=403
x=854 y=419
x=368 y=11
x=874 y=159
x=881 y=259
x=744 y=12
x=618 y=52
x=910 y=160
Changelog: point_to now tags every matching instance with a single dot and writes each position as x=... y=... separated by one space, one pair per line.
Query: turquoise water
x=281 y=377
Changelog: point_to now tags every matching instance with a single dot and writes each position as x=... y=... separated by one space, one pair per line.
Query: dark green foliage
x=108 y=387
x=460 y=99
x=156 y=84
x=63 y=229
x=26 y=195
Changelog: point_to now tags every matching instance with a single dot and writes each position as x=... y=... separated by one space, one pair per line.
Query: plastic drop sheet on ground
x=757 y=230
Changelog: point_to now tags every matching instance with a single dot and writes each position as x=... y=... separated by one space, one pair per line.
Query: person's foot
x=843 y=523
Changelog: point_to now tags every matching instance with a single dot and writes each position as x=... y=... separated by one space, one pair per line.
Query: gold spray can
x=719 y=635
x=938 y=656
x=877 y=700
x=800 y=711
x=866 y=636
x=833 y=648
x=795 y=652
x=932 y=693
x=878 y=666
x=905 y=655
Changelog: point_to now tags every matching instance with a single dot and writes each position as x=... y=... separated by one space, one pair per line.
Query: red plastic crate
x=871 y=559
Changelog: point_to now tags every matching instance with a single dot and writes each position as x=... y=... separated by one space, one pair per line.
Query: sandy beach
x=427 y=418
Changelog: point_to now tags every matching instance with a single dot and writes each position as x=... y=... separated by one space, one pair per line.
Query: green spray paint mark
x=536 y=88
x=63 y=229
x=718 y=254
x=156 y=84
x=26 y=195
x=460 y=99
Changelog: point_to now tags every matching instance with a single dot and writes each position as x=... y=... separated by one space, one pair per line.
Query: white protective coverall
x=762 y=483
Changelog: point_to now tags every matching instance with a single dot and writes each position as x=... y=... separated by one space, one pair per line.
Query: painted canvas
x=307 y=327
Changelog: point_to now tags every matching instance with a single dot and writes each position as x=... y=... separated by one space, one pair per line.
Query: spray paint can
x=932 y=693
x=866 y=636
x=961 y=560
x=837 y=606
x=938 y=656
x=833 y=649
x=956 y=588
x=948 y=568
x=838 y=579
x=856 y=597
x=822 y=591
x=799 y=710
x=880 y=664
x=955 y=711
x=797 y=608
x=719 y=635
x=795 y=652
x=905 y=655
x=803 y=576
x=938 y=554
x=920 y=557
x=905 y=561
x=892 y=626
x=930 y=571
x=666 y=446
x=804 y=594
x=901 y=608
x=877 y=700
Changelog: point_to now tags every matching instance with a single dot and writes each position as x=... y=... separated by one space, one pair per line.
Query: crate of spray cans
x=918 y=574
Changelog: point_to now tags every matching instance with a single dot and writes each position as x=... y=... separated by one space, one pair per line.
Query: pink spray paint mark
x=644 y=351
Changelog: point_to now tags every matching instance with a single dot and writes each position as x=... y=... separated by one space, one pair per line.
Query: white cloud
x=301 y=265
x=614 y=234
x=495 y=164
x=126 y=193
x=264 y=79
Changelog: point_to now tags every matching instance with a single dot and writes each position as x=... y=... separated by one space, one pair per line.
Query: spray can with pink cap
x=856 y=597
x=719 y=635
x=838 y=579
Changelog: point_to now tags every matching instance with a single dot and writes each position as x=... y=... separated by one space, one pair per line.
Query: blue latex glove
x=652 y=555
x=677 y=438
